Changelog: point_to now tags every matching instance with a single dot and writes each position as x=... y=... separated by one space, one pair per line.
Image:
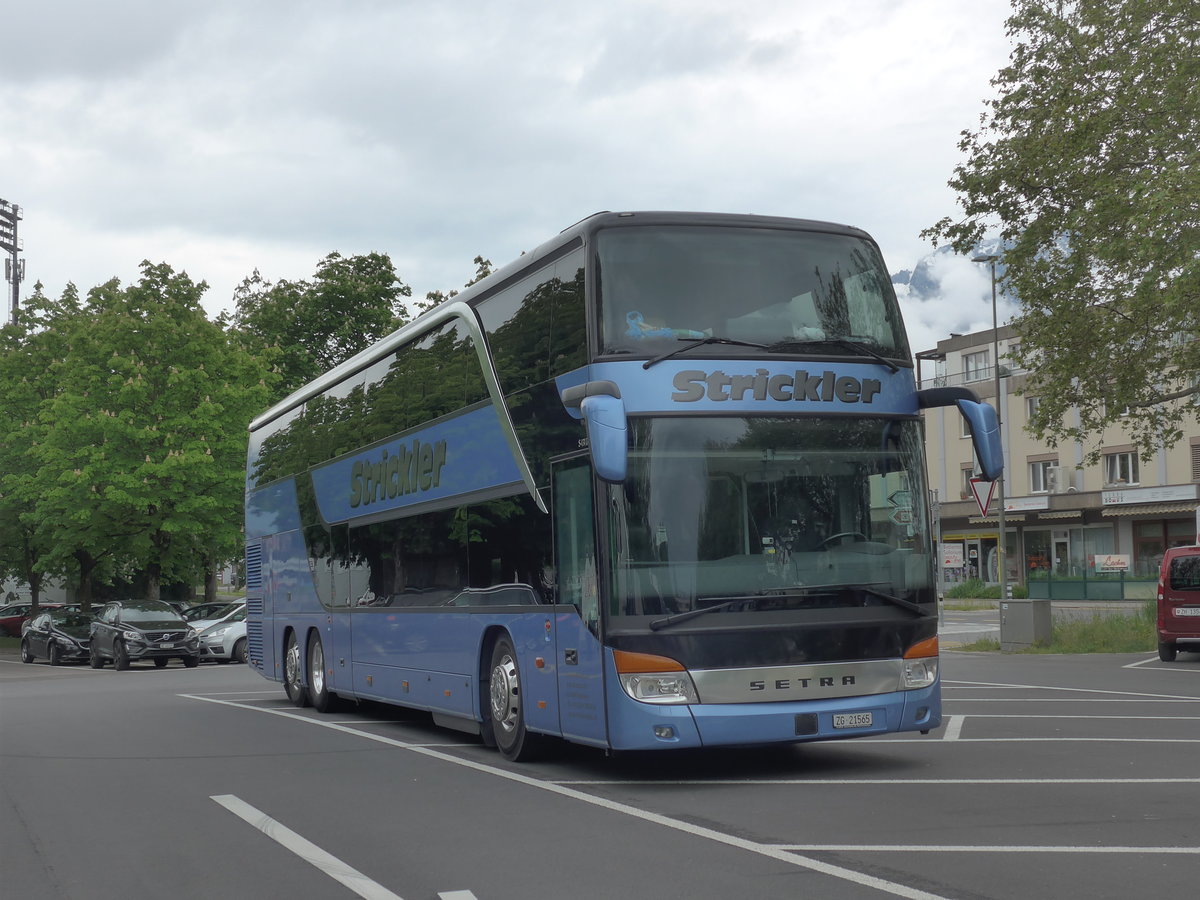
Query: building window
x=1031 y=406
x=1040 y=477
x=965 y=488
x=1011 y=355
x=1121 y=468
x=1196 y=462
x=975 y=366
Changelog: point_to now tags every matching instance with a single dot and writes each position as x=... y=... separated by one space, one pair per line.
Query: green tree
x=483 y=268
x=1087 y=163
x=28 y=349
x=143 y=450
x=350 y=303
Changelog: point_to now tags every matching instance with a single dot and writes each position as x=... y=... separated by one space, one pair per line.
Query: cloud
x=224 y=136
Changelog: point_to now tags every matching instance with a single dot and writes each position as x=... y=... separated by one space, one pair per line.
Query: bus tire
x=319 y=695
x=505 y=705
x=293 y=672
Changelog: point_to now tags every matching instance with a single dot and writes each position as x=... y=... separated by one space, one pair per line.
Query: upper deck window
x=768 y=286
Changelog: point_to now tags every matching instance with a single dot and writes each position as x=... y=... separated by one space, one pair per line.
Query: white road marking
x=860 y=878
x=1064 y=700
x=456 y=895
x=890 y=782
x=1060 y=718
x=1042 y=687
x=953 y=728
x=936 y=848
x=306 y=850
x=1034 y=740
x=1163 y=666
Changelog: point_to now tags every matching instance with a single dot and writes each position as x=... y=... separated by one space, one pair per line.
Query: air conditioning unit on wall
x=1057 y=480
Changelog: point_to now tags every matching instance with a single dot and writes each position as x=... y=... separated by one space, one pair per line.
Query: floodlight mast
x=10 y=243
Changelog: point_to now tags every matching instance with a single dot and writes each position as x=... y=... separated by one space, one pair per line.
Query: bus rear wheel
x=293 y=672
x=506 y=707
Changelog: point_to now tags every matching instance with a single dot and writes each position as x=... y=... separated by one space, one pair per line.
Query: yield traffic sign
x=983 y=497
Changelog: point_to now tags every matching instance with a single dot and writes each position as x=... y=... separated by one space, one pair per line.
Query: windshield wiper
x=861 y=349
x=699 y=343
x=693 y=613
x=898 y=601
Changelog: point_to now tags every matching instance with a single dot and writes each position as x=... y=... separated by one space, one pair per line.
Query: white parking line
x=953 y=728
x=306 y=849
x=1068 y=690
x=729 y=840
x=890 y=782
x=966 y=848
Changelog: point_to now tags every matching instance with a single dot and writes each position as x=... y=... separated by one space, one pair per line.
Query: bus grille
x=254 y=566
x=254 y=630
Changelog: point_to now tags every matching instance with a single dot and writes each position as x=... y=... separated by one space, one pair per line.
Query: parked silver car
x=225 y=641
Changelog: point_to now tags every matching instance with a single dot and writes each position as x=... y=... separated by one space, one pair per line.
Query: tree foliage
x=1087 y=163
x=130 y=451
x=349 y=303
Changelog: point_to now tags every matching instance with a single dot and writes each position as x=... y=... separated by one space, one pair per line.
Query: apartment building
x=1060 y=514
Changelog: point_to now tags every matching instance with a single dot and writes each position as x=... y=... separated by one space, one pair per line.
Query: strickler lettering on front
x=694 y=384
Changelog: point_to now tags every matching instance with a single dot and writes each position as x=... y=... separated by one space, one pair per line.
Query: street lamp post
x=1000 y=539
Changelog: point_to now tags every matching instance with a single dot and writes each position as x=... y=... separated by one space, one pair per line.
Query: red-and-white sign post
x=977 y=489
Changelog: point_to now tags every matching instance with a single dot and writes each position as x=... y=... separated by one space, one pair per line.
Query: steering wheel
x=857 y=535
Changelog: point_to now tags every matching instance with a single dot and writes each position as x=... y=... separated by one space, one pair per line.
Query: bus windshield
x=783 y=289
x=753 y=514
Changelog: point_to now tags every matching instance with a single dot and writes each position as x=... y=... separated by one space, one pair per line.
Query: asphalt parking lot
x=1052 y=775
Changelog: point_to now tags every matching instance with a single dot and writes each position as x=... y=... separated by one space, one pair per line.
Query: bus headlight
x=660 y=688
x=920 y=664
x=919 y=673
x=654 y=679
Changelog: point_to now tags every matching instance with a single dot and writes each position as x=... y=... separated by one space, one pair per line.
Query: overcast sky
x=226 y=136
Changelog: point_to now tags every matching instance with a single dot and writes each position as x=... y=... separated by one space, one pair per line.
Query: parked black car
x=59 y=635
x=129 y=630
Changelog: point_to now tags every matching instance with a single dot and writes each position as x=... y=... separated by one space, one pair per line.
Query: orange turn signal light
x=644 y=662
x=927 y=647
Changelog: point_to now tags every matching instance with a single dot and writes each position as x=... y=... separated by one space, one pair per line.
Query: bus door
x=580 y=662
x=336 y=626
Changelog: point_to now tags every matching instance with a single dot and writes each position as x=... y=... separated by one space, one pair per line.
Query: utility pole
x=10 y=243
x=1000 y=541
x=13 y=268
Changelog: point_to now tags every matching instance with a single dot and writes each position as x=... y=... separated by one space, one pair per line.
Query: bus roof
x=580 y=232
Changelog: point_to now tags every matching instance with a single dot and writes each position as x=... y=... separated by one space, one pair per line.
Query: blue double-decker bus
x=659 y=483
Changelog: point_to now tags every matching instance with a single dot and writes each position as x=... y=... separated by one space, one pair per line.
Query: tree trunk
x=210 y=581
x=87 y=565
x=153 y=581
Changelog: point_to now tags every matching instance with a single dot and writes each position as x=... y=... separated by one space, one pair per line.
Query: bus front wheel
x=293 y=672
x=318 y=686
x=506 y=705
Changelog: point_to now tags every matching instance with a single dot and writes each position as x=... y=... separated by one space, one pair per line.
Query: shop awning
x=1150 y=509
x=995 y=520
x=1062 y=514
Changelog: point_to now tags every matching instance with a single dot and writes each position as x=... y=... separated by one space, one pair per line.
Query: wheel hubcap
x=318 y=668
x=291 y=665
x=505 y=694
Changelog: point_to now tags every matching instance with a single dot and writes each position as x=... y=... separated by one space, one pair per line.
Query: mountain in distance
x=946 y=293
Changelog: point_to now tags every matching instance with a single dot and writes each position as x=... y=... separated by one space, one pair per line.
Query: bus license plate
x=853 y=720
x=166 y=646
x=1188 y=611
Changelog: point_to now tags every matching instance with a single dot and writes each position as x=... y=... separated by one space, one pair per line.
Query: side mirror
x=985 y=435
x=603 y=412
x=985 y=426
